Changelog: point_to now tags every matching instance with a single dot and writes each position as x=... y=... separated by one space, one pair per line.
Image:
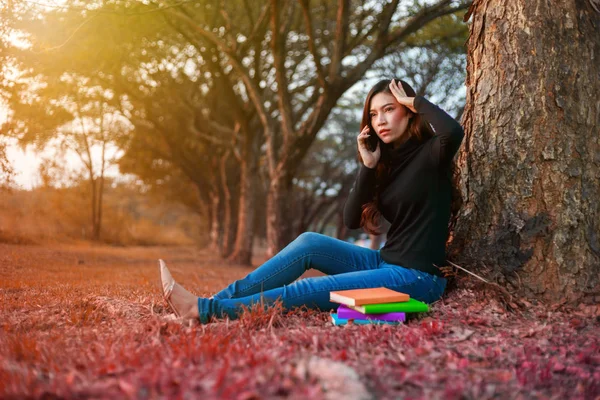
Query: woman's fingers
x=396 y=87
x=401 y=96
x=363 y=135
x=395 y=92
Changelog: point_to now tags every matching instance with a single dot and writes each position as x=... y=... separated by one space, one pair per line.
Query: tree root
x=511 y=302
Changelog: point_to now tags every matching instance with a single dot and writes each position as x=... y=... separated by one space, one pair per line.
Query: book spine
x=391 y=307
x=342 y=321
x=347 y=313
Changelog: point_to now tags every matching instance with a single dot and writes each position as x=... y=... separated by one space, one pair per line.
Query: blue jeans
x=347 y=266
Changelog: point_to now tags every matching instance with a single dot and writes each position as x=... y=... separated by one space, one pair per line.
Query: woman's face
x=389 y=119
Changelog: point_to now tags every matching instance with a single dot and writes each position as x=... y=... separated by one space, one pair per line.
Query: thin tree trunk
x=278 y=215
x=93 y=185
x=98 y=205
x=215 y=225
x=98 y=227
x=249 y=181
x=216 y=210
x=228 y=231
x=530 y=164
x=98 y=211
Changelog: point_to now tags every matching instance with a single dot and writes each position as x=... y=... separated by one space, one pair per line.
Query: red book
x=359 y=297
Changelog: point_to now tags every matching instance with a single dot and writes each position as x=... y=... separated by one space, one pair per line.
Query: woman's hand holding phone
x=369 y=158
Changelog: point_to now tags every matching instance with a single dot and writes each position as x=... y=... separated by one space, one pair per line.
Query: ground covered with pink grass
x=89 y=323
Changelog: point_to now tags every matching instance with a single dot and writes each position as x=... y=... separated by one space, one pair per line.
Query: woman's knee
x=309 y=242
x=309 y=238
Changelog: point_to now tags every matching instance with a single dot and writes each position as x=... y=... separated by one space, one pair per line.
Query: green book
x=411 y=305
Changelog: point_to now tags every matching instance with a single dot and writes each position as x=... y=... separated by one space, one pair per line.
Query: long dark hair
x=417 y=128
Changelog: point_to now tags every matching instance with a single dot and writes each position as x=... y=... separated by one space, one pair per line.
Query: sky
x=25 y=164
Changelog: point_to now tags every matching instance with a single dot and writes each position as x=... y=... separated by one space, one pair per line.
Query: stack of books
x=373 y=306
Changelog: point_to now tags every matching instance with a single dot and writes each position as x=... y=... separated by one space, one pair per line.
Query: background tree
x=6 y=170
x=75 y=117
x=530 y=164
x=9 y=16
x=327 y=173
x=434 y=62
x=224 y=80
x=305 y=35
x=92 y=136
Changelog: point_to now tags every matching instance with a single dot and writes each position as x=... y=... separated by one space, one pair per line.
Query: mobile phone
x=372 y=140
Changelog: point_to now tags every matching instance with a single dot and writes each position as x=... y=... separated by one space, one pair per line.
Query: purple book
x=345 y=312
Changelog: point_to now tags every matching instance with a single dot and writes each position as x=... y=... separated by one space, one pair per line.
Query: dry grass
x=88 y=321
x=50 y=215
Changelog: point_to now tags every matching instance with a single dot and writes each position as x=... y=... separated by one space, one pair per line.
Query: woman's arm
x=362 y=193
x=449 y=133
x=363 y=190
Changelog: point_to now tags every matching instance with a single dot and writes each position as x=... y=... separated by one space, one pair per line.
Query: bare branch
x=222 y=81
x=467 y=271
x=249 y=13
x=423 y=17
x=311 y=42
x=340 y=39
x=253 y=90
x=360 y=39
x=324 y=104
x=278 y=48
x=312 y=100
x=258 y=29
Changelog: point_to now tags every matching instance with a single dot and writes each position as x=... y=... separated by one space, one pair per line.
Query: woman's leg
x=310 y=250
x=314 y=292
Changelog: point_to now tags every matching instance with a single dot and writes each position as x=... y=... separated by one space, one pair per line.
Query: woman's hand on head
x=401 y=97
x=369 y=158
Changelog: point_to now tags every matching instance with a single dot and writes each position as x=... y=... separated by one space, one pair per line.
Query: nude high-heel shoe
x=183 y=303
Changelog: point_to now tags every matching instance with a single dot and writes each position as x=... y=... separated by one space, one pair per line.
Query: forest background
x=137 y=91
x=210 y=133
x=243 y=116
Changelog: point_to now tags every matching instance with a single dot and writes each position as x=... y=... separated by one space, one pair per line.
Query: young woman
x=404 y=176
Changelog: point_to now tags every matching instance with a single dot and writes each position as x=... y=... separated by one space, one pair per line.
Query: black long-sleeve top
x=416 y=195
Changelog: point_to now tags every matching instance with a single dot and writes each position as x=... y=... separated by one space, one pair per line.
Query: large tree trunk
x=249 y=182
x=530 y=164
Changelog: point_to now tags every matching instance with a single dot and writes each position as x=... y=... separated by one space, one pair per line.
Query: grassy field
x=84 y=321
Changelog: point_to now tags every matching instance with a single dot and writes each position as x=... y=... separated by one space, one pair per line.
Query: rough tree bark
x=530 y=165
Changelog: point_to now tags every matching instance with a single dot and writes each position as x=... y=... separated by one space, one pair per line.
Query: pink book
x=345 y=312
